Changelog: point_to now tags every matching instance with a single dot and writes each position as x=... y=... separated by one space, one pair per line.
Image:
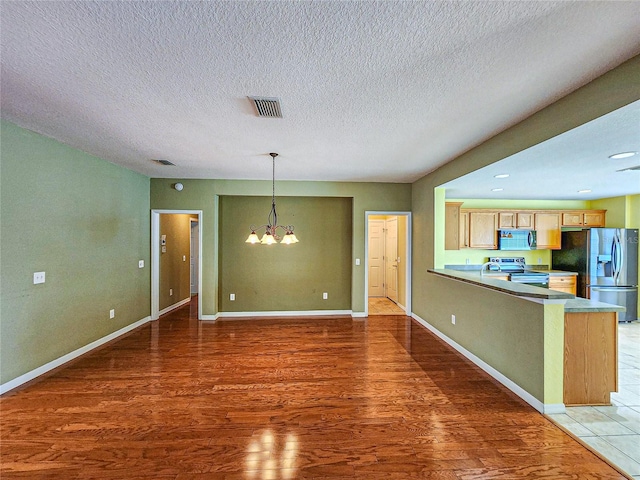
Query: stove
x=515 y=267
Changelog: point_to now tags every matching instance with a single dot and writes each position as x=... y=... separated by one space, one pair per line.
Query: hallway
x=304 y=398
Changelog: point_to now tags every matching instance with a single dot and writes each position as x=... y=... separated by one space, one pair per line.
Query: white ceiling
x=562 y=166
x=370 y=91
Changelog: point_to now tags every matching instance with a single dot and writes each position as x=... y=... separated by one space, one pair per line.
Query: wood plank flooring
x=301 y=398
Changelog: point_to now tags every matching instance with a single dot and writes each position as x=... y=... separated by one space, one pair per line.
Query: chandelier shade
x=271 y=227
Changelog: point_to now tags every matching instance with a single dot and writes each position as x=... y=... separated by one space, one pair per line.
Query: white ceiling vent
x=165 y=163
x=267 y=107
x=637 y=168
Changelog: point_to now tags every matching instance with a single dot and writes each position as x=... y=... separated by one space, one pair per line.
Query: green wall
x=84 y=222
x=286 y=277
x=613 y=90
x=205 y=194
x=175 y=265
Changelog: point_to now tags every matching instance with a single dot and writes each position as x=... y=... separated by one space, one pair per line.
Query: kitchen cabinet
x=464 y=229
x=483 y=230
x=563 y=283
x=452 y=225
x=547 y=226
x=584 y=218
x=590 y=357
x=515 y=220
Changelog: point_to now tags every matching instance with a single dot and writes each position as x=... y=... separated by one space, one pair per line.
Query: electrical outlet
x=112 y=313
x=325 y=295
x=453 y=319
x=539 y=261
x=171 y=292
x=184 y=258
x=38 y=277
x=357 y=261
x=467 y=261
x=140 y=263
x=232 y=297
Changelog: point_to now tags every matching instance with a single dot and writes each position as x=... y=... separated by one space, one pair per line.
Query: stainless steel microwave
x=517 y=240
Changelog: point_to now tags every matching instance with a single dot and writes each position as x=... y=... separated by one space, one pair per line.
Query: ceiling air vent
x=637 y=168
x=267 y=107
x=165 y=163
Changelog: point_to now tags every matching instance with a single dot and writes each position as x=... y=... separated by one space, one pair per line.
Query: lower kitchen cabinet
x=564 y=283
x=590 y=357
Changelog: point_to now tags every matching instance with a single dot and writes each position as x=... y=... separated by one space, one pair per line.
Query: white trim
x=284 y=313
x=408 y=261
x=402 y=306
x=16 y=382
x=155 y=259
x=174 y=306
x=209 y=318
x=514 y=387
x=359 y=314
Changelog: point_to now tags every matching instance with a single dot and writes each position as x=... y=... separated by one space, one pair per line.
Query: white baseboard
x=174 y=306
x=358 y=315
x=16 y=382
x=284 y=313
x=402 y=306
x=514 y=387
x=209 y=318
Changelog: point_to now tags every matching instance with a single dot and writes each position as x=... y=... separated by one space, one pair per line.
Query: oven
x=515 y=267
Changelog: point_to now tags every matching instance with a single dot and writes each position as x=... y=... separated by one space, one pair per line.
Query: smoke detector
x=267 y=106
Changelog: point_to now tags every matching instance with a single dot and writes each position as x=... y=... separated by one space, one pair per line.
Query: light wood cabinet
x=590 y=357
x=515 y=220
x=563 y=283
x=464 y=229
x=452 y=226
x=584 y=218
x=547 y=226
x=483 y=230
x=524 y=220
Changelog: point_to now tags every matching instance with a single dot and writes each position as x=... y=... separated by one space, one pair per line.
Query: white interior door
x=195 y=236
x=376 y=258
x=391 y=259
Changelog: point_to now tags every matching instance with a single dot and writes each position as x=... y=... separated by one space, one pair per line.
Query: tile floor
x=614 y=431
x=384 y=306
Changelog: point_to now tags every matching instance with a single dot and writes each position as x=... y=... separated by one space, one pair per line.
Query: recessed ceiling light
x=497 y=189
x=586 y=190
x=502 y=175
x=623 y=155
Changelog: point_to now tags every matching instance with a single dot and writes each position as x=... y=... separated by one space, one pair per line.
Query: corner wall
x=613 y=90
x=86 y=223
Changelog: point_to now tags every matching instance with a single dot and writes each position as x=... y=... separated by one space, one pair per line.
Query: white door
x=195 y=235
x=376 y=258
x=391 y=259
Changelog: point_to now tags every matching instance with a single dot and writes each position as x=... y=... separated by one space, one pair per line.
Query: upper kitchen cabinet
x=584 y=218
x=515 y=220
x=452 y=225
x=483 y=230
x=547 y=226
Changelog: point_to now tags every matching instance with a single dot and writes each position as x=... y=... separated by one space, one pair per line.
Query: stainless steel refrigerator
x=606 y=260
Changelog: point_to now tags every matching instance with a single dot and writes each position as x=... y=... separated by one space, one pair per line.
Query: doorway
x=388 y=263
x=194 y=256
x=156 y=246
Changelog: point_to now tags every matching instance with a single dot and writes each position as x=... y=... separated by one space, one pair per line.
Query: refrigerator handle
x=617 y=257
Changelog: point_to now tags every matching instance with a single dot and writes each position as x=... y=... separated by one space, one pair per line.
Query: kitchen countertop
x=578 y=305
x=573 y=304
x=513 y=288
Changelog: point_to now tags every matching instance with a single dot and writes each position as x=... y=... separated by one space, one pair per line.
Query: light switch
x=38 y=277
x=140 y=263
x=357 y=261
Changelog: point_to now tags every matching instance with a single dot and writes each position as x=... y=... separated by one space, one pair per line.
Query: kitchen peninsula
x=553 y=349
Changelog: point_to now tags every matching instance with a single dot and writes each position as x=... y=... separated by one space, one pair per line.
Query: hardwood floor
x=303 y=398
x=383 y=306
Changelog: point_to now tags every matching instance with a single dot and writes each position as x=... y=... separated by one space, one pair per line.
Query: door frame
x=155 y=259
x=408 y=260
x=191 y=222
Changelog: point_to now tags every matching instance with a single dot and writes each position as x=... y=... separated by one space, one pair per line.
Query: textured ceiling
x=370 y=91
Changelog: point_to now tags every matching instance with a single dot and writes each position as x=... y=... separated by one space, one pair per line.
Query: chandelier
x=271 y=228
